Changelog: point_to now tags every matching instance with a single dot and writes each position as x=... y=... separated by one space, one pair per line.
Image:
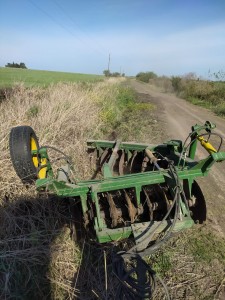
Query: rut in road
x=176 y=116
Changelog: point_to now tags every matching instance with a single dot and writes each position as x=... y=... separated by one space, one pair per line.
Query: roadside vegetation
x=206 y=93
x=146 y=76
x=210 y=94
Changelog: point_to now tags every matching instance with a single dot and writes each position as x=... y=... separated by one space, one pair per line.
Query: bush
x=146 y=76
x=176 y=83
x=220 y=109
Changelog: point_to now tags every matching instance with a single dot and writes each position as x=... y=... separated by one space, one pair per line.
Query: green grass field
x=11 y=76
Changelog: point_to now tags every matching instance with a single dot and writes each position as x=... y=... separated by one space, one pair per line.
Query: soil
x=176 y=116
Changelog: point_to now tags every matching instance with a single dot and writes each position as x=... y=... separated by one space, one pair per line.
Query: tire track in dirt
x=176 y=116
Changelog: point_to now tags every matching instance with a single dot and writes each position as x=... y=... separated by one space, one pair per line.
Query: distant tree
x=140 y=74
x=123 y=74
x=15 y=65
x=23 y=66
x=107 y=73
x=115 y=74
x=146 y=76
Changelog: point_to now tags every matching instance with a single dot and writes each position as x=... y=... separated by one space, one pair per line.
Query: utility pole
x=109 y=62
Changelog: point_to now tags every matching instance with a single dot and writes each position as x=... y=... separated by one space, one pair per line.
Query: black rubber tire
x=20 y=152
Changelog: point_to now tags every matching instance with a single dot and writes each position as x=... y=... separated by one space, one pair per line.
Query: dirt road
x=176 y=116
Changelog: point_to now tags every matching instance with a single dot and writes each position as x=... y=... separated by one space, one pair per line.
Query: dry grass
x=192 y=265
x=38 y=257
x=63 y=116
x=37 y=254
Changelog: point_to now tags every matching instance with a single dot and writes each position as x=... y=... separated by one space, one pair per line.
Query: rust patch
x=121 y=163
x=114 y=213
x=131 y=208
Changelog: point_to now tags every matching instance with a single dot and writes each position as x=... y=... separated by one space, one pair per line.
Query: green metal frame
x=187 y=169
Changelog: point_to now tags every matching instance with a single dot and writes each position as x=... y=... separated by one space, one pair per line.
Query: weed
x=113 y=108
x=32 y=111
x=197 y=101
x=161 y=262
x=176 y=83
x=207 y=247
x=220 y=109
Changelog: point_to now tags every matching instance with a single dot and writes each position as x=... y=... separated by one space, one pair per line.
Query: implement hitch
x=138 y=190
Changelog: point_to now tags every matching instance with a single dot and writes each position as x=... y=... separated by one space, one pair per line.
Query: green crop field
x=11 y=76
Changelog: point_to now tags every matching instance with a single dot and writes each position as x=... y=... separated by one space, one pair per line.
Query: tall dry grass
x=38 y=259
x=63 y=116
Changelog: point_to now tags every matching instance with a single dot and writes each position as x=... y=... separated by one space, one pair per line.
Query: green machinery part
x=138 y=190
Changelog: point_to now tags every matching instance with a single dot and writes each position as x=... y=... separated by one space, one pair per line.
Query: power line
x=78 y=26
x=61 y=25
x=50 y=16
x=109 y=62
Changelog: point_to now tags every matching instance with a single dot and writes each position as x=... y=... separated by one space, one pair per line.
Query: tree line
x=107 y=73
x=16 y=65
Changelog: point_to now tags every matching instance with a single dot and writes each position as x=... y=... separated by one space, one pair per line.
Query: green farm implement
x=142 y=191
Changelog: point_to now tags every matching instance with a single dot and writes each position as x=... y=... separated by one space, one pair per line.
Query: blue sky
x=169 y=37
